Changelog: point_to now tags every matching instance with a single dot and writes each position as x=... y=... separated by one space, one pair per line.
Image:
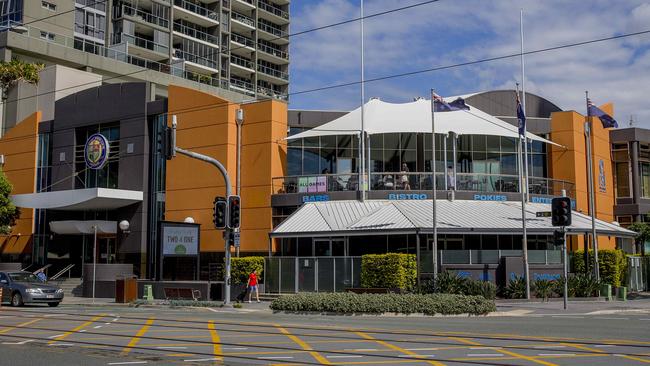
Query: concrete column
x=636 y=177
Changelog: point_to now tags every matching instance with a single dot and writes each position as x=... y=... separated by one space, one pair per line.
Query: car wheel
x=17 y=299
x=53 y=304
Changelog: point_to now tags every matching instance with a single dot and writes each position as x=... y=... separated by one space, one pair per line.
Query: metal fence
x=638 y=273
x=311 y=274
x=494 y=256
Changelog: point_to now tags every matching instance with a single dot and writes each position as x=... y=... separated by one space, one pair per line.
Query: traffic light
x=167 y=142
x=219 y=213
x=234 y=203
x=561 y=211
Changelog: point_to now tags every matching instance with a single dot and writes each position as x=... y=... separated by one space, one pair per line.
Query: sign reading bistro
x=96 y=151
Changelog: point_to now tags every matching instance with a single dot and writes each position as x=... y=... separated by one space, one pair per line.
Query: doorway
x=331 y=247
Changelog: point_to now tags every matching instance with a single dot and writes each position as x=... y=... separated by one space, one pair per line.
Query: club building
x=89 y=165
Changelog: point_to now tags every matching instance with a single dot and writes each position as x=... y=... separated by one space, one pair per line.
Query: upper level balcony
x=183 y=30
x=403 y=185
x=272 y=12
x=241 y=22
x=272 y=54
x=142 y=47
x=141 y=16
x=194 y=13
x=241 y=44
x=271 y=32
x=274 y=73
x=196 y=63
x=243 y=4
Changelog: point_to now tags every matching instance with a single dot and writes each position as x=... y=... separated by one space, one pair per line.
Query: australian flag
x=521 y=117
x=441 y=106
x=606 y=119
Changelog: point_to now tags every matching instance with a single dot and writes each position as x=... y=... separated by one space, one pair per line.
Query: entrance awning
x=341 y=218
x=76 y=227
x=79 y=199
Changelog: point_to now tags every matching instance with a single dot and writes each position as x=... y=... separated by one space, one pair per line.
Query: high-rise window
x=107 y=176
x=90 y=23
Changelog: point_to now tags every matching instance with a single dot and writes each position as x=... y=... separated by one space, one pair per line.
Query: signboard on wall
x=179 y=239
x=312 y=184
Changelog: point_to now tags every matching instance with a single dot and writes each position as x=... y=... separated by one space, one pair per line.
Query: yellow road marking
x=317 y=356
x=505 y=352
x=396 y=348
x=216 y=341
x=76 y=329
x=134 y=341
x=634 y=358
x=9 y=329
x=585 y=348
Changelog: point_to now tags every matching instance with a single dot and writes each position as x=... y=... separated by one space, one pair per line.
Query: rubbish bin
x=606 y=292
x=622 y=293
x=126 y=289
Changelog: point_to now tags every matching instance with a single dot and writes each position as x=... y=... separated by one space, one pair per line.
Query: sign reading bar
x=180 y=240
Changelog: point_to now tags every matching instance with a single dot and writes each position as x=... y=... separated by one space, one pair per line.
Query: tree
x=642 y=235
x=8 y=212
x=15 y=71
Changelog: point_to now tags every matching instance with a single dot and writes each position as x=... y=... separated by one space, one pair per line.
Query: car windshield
x=23 y=277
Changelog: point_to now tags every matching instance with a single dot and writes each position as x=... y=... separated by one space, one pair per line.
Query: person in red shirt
x=252 y=285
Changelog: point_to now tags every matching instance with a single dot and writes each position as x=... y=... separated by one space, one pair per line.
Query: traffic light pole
x=566 y=268
x=224 y=172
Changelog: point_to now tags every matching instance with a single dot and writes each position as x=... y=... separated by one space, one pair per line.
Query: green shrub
x=613 y=265
x=486 y=289
x=544 y=288
x=241 y=267
x=384 y=303
x=583 y=285
x=516 y=288
x=449 y=282
x=392 y=270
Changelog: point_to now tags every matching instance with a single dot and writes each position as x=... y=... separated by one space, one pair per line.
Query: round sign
x=180 y=249
x=96 y=151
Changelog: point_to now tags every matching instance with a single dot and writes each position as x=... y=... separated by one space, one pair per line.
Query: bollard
x=148 y=292
x=0 y=296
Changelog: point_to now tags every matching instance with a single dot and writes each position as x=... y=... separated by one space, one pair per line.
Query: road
x=110 y=335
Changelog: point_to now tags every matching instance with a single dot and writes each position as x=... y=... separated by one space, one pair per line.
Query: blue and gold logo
x=96 y=151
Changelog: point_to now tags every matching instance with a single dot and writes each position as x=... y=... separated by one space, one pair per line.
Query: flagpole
x=434 y=243
x=590 y=176
x=523 y=99
x=524 y=237
x=362 y=135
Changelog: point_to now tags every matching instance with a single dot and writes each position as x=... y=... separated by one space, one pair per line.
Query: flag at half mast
x=440 y=105
x=605 y=119
x=521 y=116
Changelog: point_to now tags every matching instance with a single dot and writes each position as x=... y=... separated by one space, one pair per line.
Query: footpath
x=636 y=304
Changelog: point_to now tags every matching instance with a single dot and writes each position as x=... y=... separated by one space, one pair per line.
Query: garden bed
x=351 y=303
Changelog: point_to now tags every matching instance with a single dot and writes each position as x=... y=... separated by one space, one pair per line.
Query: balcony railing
x=195 y=59
x=273 y=10
x=401 y=181
x=243 y=19
x=242 y=62
x=242 y=40
x=271 y=29
x=271 y=93
x=178 y=27
x=140 y=42
x=197 y=9
x=248 y=1
x=494 y=256
x=273 y=72
x=247 y=86
x=272 y=51
x=147 y=17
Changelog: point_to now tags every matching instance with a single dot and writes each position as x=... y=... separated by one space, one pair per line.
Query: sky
x=449 y=32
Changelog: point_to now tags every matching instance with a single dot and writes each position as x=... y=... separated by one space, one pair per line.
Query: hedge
x=613 y=265
x=241 y=267
x=346 y=302
x=392 y=270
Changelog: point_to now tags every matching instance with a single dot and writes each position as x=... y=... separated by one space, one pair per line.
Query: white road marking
x=235 y=349
x=82 y=331
x=421 y=349
x=341 y=356
x=484 y=347
x=568 y=317
x=116 y=319
x=606 y=318
x=484 y=355
x=56 y=336
x=21 y=342
x=362 y=349
x=549 y=346
x=201 y=360
x=275 y=358
x=605 y=345
x=171 y=347
x=61 y=345
x=127 y=363
x=107 y=323
x=416 y=356
x=97 y=327
x=644 y=319
x=557 y=354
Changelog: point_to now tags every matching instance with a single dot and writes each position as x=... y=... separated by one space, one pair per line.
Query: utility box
x=126 y=289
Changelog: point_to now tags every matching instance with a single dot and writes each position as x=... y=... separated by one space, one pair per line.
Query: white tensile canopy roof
x=382 y=117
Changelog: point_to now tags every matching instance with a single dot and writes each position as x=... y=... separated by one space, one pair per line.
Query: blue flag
x=605 y=119
x=441 y=106
x=521 y=117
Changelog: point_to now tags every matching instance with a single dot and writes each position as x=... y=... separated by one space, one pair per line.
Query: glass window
x=622 y=180
x=493 y=143
x=294 y=161
x=509 y=164
x=408 y=141
x=311 y=142
x=508 y=144
x=391 y=141
x=311 y=161
x=345 y=142
x=645 y=179
x=478 y=143
x=464 y=143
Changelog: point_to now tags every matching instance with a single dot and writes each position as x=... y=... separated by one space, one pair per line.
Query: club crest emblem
x=96 y=151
